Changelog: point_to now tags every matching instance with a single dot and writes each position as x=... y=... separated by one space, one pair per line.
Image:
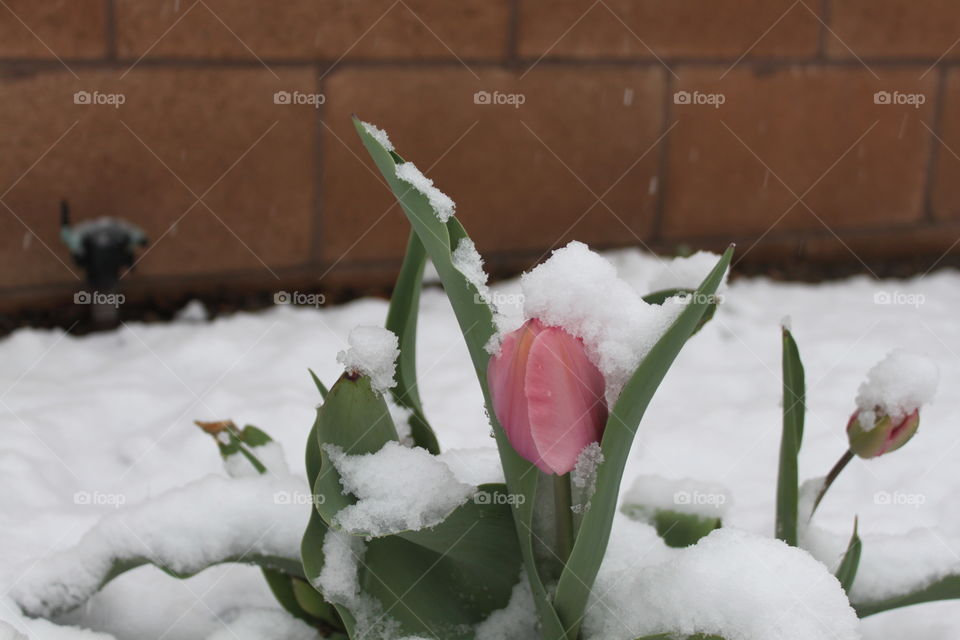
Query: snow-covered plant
x=887 y=415
x=400 y=541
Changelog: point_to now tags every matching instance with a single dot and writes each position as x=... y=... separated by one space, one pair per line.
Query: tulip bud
x=874 y=433
x=547 y=395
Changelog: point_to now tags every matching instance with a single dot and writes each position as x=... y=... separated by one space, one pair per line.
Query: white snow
x=111 y=414
x=397 y=489
x=467 y=261
x=378 y=134
x=516 y=621
x=588 y=462
x=580 y=291
x=899 y=384
x=185 y=530
x=890 y=563
x=731 y=583
x=263 y=624
x=193 y=311
x=339 y=579
x=685 y=272
x=339 y=582
x=584 y=475
x=373 y=353
x=443 y=205
x=401 y=420
x=269 y=454
x=650 y=493
x=474 y=466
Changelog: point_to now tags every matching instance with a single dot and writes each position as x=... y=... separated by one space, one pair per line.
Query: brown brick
x=801 y=126
x=199 y=123
x=504 y=166
x=51 y=29
x=946 y=185
x=313 y=29
x=888 y=28
x=666 y=28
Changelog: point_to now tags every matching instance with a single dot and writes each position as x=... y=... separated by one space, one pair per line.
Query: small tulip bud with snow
x=547 y=395
x=889 y=401
x=873 y=433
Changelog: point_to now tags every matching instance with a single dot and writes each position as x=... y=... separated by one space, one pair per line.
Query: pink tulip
x=547 y=395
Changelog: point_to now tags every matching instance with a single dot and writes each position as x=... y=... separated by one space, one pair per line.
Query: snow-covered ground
x=87 y=424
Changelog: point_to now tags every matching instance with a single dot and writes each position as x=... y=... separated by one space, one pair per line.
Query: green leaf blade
x=573 y=590
x=788 y=484
x=847 y=571
x=402 y=321
x=475 y=318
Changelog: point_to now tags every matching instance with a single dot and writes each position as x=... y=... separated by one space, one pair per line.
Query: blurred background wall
x=811 y=132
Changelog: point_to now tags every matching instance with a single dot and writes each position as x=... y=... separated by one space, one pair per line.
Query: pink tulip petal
x=505 y=377
x=565 y=398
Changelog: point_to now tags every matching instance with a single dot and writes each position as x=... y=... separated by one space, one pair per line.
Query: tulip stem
x=563 y=515
x=837 y=468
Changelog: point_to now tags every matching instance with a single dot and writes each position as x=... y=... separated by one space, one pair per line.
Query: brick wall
x=643 y=122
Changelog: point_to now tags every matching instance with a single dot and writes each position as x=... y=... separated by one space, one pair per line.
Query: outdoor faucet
x=104 y=247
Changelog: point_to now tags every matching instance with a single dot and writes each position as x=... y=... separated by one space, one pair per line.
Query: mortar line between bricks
x=935 y=150
x=110 y=28
x=757 y=63
x=826 y=13
x=316 y=243
x=143 y=284
x=513 y=33
x=663 y=159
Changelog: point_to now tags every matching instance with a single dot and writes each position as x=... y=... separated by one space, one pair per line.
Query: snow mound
x=891 y=564
x=516 y=621
x=9 y=633
x=731 y=583
x=682 y=495
x=378 y=134
x=442 y=204
x=897 y=385
x=373 y=353
x=263 y=624
x=397 y=489
x=686 y=272
x=574 y=289
x=474 y=466
x=212 y=520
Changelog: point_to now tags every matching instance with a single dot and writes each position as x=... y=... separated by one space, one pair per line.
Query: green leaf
x=476 y=323
x=437 y=581
x=946 y=588
x=573 y=590
x=677 y=529
x=847 y=571
x=402 y=321
x=357 y=420
x=282 y=587
x=310 y=601
x=788 y=485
